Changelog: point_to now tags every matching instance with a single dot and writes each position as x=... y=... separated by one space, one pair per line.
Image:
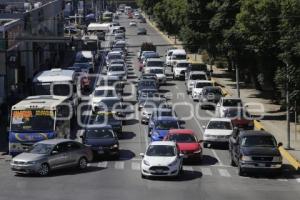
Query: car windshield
x=179 y=57
x=81 y=59
x=99 y=133
x=167 y=124
x=161 y=150
x=104 y=93
x=201 y=85
x=212 y=91
x=114 y=56
x=81 y=65
x=41 y=148
x=232 y=102
x=157 y=71
x=165 y=113
x=155 y=64
x=259 y=141
x=117 y=62
x=219 y=125
x=182 y=138
x=183 y=65
x=116 y=68
x=198 y=77
x=110 y=103
x=236 y=113
x=151 y=55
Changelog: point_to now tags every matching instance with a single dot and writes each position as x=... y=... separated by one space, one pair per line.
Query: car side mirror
x=280 y=144
x=142 y=155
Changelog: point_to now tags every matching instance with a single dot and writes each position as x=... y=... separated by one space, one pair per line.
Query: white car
x=168 y=56
x=102 y=92
x=197 y=89
x=180 y=68
x=159 y=72
x=132 y=23
x=226 y=103
x=218 y=130
x=192 y=78
x=162 y=158
x=118 y=70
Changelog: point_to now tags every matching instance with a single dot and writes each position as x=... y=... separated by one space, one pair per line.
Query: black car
x=142 y=31
x=142 y=20
x=254 y=151
x=210 y=96
x=108 y=118
x=102 y=139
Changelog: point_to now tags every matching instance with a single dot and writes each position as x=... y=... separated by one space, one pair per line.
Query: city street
x=214 y=178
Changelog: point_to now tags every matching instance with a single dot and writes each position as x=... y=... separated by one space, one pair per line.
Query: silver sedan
x=49 y=155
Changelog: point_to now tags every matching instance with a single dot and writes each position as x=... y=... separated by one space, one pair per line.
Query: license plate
x=100 y=152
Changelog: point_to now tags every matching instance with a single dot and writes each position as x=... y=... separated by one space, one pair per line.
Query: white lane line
x=119 y=165
x=224 y=172
x=206 y=171
x=188 y=168
x=220 y=163
x=146 y=137
x=102 y=164
x=135 y=166
x=298 y=180
x=282 y=179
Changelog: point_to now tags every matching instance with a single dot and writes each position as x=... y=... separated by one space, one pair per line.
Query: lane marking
x=224 y=172
x=282 y=179
x=136 y=159
x=119 y=165
x=220 y=163
x=298 y=180
x=188 y=168
x=206 y=171
x=135 y=166
x=102 y=164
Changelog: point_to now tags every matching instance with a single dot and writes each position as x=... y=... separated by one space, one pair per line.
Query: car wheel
x=44 y=169
x=205 y=144
x=82 y=163
x=143 y=176
x=181 y=171
x=240 y=171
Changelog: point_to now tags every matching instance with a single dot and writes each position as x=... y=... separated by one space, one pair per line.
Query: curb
x=290 y=158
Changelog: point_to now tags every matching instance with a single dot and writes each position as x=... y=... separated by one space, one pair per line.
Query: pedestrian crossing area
x=206 y=171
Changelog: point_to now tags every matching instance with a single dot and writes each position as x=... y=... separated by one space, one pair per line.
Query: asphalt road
x=212 y=179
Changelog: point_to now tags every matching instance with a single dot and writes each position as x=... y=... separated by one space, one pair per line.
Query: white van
x=177 y=55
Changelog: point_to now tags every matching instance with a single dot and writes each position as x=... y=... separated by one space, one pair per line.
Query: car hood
x=198 y=90
x=188 y=146
x=147 y=110
x=180 y=69
x=213 y=96
x=116 y=73
x=217 y=132
x=25 y=157
x=160 y=75
x=260 y=151
x=160 y=160
x=100 y=142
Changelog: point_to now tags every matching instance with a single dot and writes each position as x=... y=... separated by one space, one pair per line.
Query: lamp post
x=287 y=94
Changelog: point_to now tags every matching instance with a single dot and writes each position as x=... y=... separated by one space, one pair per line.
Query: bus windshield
x=32 y=120
x=58 y=89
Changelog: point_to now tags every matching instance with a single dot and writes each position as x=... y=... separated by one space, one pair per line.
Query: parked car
x=162 y=158
x=187 y=142
x=102 y=140
x=217 y=130
x=52 y=154
x=255 y=151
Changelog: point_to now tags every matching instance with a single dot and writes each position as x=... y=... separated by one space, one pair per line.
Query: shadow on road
x=126 y=135
x=186 y=176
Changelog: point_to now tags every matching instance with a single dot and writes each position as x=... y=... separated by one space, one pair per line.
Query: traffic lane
x=127 y=184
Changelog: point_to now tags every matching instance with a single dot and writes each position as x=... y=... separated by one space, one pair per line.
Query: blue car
x=161 y=125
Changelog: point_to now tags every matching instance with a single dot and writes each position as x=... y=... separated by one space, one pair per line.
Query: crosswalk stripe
x=102 y=164
x=188 y=168
x=119 y=165
x=224 y=172
x=206 y=171
x=135 y=166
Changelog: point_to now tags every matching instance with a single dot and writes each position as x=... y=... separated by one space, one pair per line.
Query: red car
x=187 y=142
x=240 y=118
x=130 y=16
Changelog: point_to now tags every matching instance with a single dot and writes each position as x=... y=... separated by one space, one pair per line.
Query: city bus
x=38 y=118
x=59 y=82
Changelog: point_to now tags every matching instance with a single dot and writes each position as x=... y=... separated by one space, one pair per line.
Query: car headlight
x=277 y=159
x=114 y=146
x=246 y=158
x=204 y=99
x=173 y=163
x=31 y=162
x=146 y=162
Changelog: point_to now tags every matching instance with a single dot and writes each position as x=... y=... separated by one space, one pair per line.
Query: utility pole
x=287 y=94
x=237 y=78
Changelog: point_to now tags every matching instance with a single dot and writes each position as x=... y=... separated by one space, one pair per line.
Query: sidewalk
x=274 y=120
